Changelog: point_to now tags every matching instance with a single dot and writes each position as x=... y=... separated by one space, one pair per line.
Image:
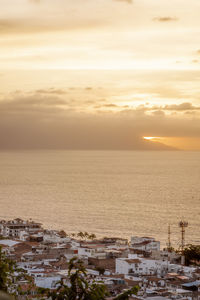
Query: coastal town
x=42 y=258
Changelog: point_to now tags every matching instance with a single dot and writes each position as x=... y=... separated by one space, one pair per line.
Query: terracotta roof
x=133 y=261
x=92 y=246
x=154 y=278
x=132 y=282
x=120 y=276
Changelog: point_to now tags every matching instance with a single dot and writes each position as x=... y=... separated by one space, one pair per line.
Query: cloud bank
x=41 y=121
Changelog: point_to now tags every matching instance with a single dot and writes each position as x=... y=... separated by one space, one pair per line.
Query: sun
x=151 y=138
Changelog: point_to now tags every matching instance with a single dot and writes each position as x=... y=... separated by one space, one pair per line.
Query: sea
x=108 y=193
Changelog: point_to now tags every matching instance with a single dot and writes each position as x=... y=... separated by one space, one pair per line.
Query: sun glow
x=150 y=138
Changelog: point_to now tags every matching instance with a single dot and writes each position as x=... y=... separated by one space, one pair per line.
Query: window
x=130 y=270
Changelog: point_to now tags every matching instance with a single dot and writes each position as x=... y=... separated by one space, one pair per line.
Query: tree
x=6 y=270
x=80 y=288
x=125 y=295
x=192 y=254
x=8 y=279
x=92 y=236
x=80 y=234
x=86 y=235
x=62 y=234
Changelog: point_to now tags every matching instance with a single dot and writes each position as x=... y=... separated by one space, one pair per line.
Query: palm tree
x=92 y=236
x=86 y=235
x=80 y=234
x=81 y=289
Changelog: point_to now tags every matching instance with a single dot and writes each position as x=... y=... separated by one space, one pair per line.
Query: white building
x=50 y=282
x=53 y=237
x=13 y=228
x=140 y=266
x=144 y=243
x=97 y=251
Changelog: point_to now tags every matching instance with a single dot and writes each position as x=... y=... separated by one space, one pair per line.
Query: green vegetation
x=3 y=237
x=79 y=286
x=6 y=271
x=8 y=279
x=63 y=234
x=125 y=296
x=92 y=236
x=81 y=289
x=192 y=254
x=170 y=249
x=84 y=235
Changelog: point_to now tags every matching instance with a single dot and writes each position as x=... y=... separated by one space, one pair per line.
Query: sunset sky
x=100 y=74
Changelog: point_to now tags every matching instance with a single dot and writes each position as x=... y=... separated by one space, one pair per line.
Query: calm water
x=107 y=193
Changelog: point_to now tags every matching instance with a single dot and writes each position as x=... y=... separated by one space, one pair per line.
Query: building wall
x=108 y=263
x=146 y=267
x=85 y=252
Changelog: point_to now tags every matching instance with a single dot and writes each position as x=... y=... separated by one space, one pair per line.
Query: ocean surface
x=121 y=193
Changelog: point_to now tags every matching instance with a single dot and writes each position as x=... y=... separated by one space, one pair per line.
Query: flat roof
x=9 y=243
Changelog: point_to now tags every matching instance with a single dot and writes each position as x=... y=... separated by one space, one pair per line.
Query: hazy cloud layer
x=110 y=109
x=24 y=26
x=35 y=1
x=127 y=1
x=49 y=121
x=106 y=34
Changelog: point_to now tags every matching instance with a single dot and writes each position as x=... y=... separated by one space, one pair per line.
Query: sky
x=100 y=74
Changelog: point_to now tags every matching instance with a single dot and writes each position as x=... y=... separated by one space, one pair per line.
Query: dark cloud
x=52 y=91
x=111 y=105
x=181 y=107
x=185 y=106
x=165 y=19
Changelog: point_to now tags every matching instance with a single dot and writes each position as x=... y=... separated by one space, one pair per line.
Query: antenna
x=169 y=238
x=183 y=224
